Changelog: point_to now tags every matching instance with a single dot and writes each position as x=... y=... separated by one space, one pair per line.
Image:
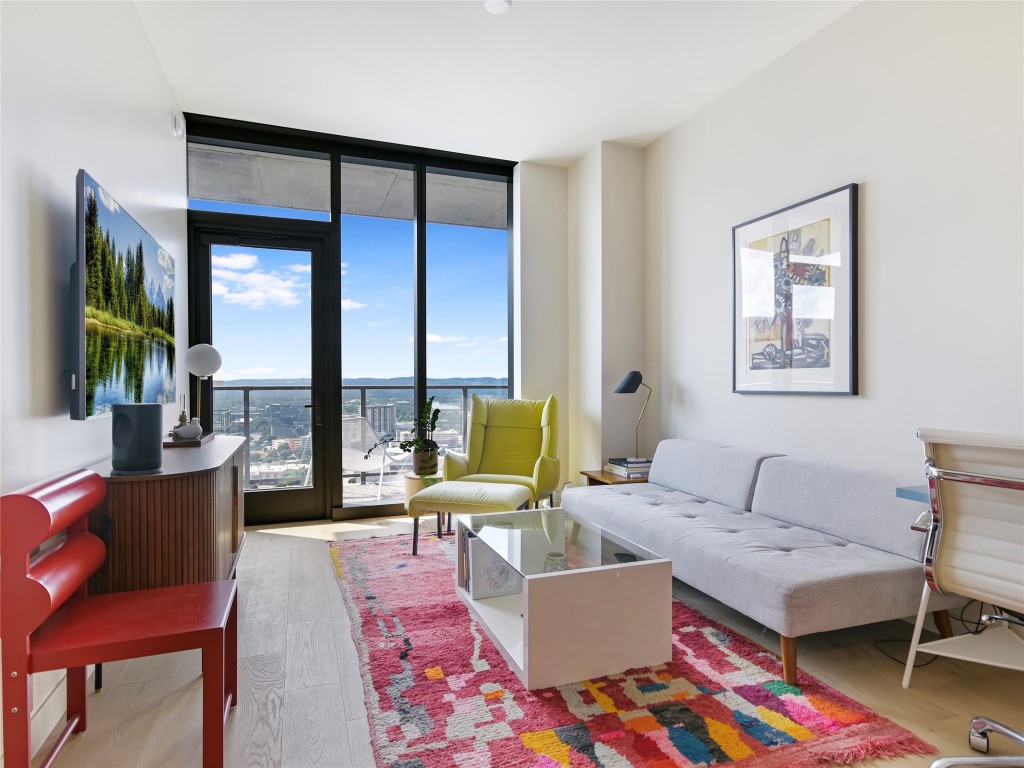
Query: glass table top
x=537 y=541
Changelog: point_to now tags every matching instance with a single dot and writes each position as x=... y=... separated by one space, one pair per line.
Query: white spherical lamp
x=201 y=361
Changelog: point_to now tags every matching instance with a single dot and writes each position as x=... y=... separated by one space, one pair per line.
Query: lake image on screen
x=129 y=309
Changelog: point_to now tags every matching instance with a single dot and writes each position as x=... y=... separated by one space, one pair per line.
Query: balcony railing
x=280 y=448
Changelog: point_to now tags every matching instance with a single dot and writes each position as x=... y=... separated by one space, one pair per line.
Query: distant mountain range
x=156 y=295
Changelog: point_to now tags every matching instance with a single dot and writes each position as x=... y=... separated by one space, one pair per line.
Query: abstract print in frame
x=794 y=298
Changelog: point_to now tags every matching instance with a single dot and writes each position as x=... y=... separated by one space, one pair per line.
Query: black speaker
x=138 y=439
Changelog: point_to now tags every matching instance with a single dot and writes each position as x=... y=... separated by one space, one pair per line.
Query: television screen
x=122 y=289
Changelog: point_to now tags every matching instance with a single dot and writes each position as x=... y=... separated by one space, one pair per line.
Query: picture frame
x=795 y=298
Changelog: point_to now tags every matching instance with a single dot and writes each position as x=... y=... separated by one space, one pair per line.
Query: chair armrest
x=545 y=475
x=456 y=465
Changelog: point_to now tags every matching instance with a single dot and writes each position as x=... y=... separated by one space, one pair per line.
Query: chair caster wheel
x=978 y=741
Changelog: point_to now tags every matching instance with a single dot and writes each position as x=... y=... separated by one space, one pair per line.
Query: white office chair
x=975 y=548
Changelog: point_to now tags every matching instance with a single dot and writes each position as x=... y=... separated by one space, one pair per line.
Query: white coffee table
x=562 y=599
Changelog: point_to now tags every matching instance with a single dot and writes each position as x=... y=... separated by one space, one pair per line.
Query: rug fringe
x=852 y=749
x=891 y=747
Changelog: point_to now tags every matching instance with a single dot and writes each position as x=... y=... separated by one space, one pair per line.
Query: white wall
x=622 y=297
x=585 y=314
x=540 y=275
x=75 y=94
x=606 y=287
x=921 y=105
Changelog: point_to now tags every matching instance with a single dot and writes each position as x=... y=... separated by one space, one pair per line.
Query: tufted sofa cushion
x=722 y=473
x=856 y=504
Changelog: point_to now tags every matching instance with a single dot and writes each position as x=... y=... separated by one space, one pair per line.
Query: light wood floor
x=301 y=699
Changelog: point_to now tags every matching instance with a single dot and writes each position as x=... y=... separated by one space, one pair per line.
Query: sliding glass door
x=268 y=314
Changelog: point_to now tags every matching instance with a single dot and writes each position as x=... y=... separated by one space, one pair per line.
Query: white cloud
x=347 y=304
x=467 y=344
x=108 y=202
x=381 y=323
x=165 y=260
x=235 y=261
x=436 y=337
x=257 y=289
x=307 y=268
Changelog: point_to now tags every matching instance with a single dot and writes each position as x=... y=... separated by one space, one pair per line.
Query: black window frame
x=219 y=131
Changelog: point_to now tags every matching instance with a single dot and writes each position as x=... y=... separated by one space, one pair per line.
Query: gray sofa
x=799 y=546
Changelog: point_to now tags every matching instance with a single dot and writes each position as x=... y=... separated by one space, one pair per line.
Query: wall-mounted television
x=122 y=295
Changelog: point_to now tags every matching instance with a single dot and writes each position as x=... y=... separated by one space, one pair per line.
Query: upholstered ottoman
x=464 y=498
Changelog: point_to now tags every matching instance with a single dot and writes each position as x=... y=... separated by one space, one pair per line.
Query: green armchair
x=510 y=441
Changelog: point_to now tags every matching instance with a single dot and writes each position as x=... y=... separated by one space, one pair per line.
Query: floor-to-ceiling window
x=343 y=283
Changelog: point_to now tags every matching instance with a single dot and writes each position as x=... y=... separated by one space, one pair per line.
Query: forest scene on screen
x=129 y=308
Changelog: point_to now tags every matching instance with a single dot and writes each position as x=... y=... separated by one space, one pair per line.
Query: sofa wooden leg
x=942 y=623
x=788 y=659
x=415 y=533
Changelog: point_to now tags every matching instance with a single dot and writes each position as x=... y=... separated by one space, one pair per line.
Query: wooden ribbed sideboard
x=182 y=526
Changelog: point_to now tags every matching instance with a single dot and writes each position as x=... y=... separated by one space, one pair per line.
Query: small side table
x=600 y=477
x=415 y=483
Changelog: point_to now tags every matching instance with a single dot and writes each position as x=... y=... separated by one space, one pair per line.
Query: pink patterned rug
x=440 y=695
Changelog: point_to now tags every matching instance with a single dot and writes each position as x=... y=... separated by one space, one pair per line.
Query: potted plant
x=422 y=445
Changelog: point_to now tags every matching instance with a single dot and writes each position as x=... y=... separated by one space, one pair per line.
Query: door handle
x=315 y=405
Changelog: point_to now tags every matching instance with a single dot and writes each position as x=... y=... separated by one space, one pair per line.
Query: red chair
x=48 y=621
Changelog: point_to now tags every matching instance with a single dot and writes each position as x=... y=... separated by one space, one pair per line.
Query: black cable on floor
x=903 y=661
x=973 y=627
x=967 y=624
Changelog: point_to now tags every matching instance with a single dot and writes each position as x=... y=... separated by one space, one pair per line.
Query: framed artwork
x=795 y=298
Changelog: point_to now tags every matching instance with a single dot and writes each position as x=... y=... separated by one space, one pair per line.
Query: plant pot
x=424 y=462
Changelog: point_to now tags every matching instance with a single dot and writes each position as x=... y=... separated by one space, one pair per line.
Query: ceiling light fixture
x=497 y=6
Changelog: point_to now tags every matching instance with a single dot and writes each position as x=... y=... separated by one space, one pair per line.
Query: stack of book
x=629 y=468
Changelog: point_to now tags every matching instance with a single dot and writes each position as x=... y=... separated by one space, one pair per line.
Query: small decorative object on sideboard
x=189 y=431
x=202 y=361
x=422 y=444
x=183 y=416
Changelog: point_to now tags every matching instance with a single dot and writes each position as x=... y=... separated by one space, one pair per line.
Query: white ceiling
x=545 y=81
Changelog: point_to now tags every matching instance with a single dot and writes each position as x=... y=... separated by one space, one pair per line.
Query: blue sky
x=261 y=304
x=126 y=232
